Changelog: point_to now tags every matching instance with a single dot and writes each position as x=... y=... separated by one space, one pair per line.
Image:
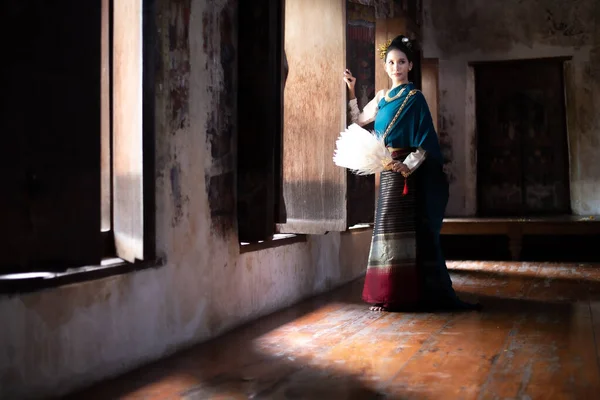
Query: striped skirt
x=392 y=278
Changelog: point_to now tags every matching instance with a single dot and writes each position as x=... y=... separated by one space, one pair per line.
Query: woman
x=406 y=266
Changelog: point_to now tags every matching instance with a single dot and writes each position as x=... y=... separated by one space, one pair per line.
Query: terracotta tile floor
x=535 y=339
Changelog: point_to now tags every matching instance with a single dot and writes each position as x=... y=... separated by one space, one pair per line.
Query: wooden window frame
x=24 y=282
x=271 y=219
x=260 y=124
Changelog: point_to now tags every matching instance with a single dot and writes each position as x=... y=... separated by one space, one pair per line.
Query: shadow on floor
x=236 y=366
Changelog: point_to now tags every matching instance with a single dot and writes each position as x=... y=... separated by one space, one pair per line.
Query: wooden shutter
x=105 y=152
x=260 y=99
x=128 y=187
x=314 y=189
x=430 y=85
x=50 y=155
x=360 y=46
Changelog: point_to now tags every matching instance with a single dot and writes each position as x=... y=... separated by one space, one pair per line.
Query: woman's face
x=397 y=66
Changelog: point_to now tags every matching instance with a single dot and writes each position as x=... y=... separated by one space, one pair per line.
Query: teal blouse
x=413 y=127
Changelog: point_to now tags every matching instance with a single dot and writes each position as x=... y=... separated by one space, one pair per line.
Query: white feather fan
x=361 y=151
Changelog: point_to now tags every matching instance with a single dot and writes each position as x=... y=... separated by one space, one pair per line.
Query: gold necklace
x=388 y=98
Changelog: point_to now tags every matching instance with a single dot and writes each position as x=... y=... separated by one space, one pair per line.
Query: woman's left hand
x=397 y=166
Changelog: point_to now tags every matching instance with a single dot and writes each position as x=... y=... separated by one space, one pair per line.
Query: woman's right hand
x=349 y=79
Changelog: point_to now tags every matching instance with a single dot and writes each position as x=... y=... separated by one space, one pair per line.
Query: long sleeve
x=368 y=113
x=415 y=159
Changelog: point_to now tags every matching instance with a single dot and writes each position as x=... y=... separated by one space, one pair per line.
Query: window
x=79 y=103
x=291 y=110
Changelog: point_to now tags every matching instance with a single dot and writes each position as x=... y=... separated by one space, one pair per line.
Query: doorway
x=522 y=153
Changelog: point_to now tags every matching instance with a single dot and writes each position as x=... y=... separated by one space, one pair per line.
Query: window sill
x=359 y=228
x=15 y=284
x=286 y=239
x=278 y=240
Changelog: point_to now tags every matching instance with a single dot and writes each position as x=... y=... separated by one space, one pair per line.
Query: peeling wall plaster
x=62 y=339
x=462 y=31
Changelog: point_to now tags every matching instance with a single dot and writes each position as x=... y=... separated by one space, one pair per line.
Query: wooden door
x=522 y=158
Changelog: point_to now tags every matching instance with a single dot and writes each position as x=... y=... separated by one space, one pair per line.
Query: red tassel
x=405 y=191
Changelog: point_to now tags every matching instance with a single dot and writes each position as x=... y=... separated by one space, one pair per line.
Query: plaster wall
x=459 y=32
x=62 y=339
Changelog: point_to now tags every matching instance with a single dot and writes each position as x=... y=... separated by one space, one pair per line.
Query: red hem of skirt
x=396 y=287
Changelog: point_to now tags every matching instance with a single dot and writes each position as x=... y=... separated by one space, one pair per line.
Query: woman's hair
x=403 y=44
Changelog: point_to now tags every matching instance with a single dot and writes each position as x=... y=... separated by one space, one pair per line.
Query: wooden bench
x=516 y=228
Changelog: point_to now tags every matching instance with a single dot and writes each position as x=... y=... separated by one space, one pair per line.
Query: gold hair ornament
x=383 y=48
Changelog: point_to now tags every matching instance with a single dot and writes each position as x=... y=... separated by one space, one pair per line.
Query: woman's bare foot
x=378 y=308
